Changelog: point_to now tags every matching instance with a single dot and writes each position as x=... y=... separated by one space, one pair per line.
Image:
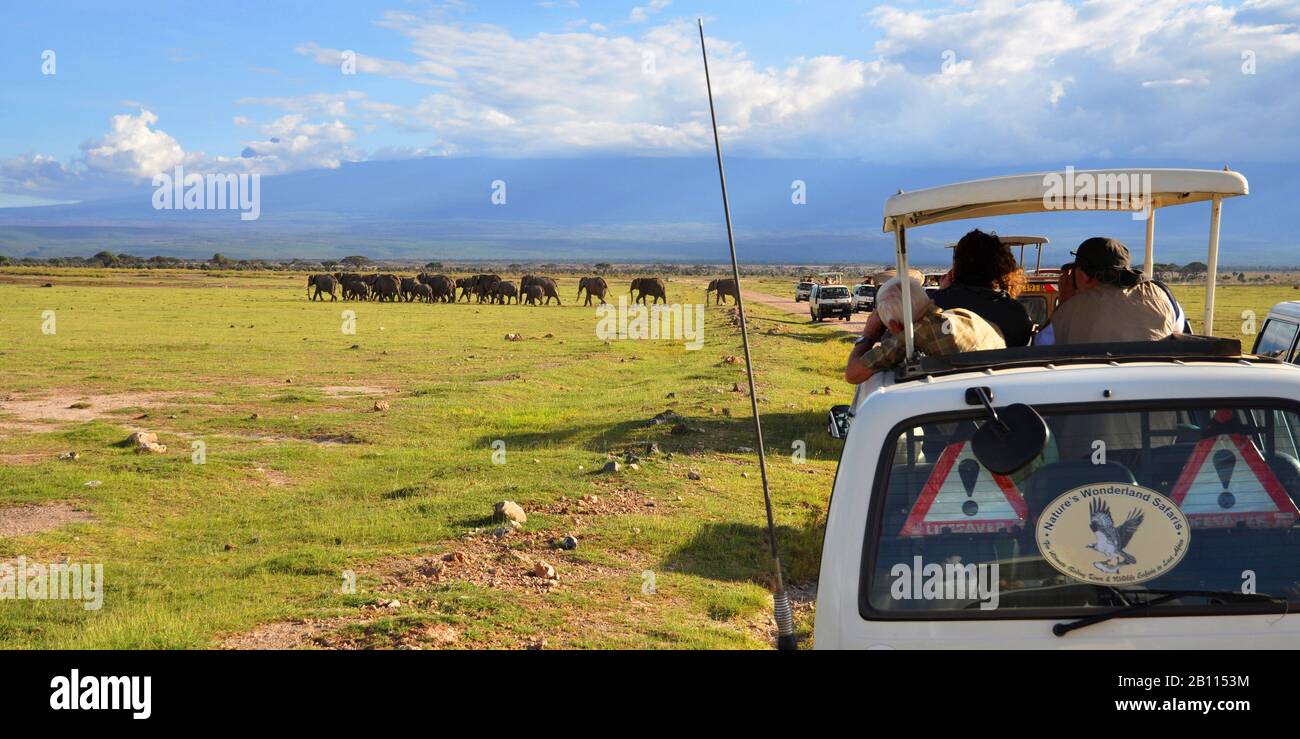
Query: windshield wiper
x=1165 y=596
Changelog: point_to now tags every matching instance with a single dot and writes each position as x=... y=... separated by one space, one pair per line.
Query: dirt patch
x=275 y=478
x=489 y=561
x=286 y=635
x=340 y=633
x=25 y=458
x=22 y=428
x=71 y=406
x=319 y=439
x=346 y=391
x=32 y=519
x=609 y=499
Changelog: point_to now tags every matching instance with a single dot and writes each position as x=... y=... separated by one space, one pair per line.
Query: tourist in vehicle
x=1111 y=301
x=936 y=332
x=985 y=280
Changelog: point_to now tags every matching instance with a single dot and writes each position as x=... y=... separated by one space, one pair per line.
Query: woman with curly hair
x=985 y=280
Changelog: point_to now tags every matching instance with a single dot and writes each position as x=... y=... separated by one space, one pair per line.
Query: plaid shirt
x=936 y=333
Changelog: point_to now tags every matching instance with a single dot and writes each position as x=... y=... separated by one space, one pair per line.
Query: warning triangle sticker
x=964 y=498
x=1226 y=481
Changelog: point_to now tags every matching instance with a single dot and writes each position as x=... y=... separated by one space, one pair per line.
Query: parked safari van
x=1277 y=337
x=1123 y=495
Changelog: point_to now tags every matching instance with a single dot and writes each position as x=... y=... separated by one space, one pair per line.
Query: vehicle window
x=1276 y=339
x=833 y=292
x=866 y=291
x=1036 y=306
x=1129 y=503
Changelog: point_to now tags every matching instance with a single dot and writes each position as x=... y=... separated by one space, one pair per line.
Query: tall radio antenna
x=781 y=603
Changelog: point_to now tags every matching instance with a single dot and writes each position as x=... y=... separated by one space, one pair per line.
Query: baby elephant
x=422 y=293
x=504 y=292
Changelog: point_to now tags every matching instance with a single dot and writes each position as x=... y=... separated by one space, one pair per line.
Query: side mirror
x=1010 y=437
x=838 y=420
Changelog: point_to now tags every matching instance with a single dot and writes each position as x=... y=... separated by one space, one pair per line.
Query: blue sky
x=241 y=86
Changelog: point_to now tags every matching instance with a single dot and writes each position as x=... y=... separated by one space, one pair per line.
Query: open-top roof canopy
x=1068 y=190
x=1015 y=241
x=1134 y=190
x=1024 y=240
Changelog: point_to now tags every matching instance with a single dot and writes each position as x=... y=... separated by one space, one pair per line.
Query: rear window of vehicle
x=1134 y=503
x=805 y=285
x=1276 y=339
x=868 y=291
x=833 y=292
x=1036 y=306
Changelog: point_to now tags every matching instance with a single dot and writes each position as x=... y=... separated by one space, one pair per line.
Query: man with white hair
x=935 y=332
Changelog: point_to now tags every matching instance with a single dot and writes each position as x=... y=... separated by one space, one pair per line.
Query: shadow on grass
x=737 y=552
x=719 y=434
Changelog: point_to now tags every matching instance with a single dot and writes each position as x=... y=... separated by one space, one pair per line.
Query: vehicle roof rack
x=1175 y=347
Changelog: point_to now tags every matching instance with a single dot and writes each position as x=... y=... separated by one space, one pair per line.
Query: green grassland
x=263 y=530
x=304 y=479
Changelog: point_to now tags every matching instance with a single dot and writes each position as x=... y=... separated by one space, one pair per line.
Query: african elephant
x=723 y=288
x=466 y=287
x=387 y=288
x=408 y=288
x=442 y=286
x=547 y=284
x=503 y=291
x=533 y=294
x=652 y=286
x=594 y=286
x=354 y=288
x=323 y=284
x=422 y=292
x=485 y=287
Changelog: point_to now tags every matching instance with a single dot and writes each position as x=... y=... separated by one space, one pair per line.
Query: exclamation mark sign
x=969 y=470
x=1224 y=464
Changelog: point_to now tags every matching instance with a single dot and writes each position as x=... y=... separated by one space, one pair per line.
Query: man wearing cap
x=1111 y=301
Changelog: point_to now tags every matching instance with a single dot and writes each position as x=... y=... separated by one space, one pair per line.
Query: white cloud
x=1032 y=80
x=1027 y=81
x=1180 y=82
x=292 y=143
x=135 y=149
x=642 y=13
x=331 y=104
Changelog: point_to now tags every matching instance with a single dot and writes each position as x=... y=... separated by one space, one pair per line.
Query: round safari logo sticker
x=1113 y=534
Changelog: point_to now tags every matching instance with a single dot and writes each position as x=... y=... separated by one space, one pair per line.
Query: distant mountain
x=621 y=210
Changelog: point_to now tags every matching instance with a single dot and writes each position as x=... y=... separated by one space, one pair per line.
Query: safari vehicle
x=1123 y=495
x=829 y=301
x=1039 y=295
x=864 y=298
x=1277 y=338
x=802 y=290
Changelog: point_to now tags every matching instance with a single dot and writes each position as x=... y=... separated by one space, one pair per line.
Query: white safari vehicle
x=802 y=290
x=1277 y=338
x=829 y=301
x=864 y=297
x=1125 y=495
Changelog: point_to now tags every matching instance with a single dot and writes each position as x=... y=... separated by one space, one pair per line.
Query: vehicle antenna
x=781 y=603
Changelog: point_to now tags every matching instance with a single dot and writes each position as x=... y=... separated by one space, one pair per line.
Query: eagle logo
x=1112 y=539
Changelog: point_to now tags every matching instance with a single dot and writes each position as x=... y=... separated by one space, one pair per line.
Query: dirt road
x=788 y=305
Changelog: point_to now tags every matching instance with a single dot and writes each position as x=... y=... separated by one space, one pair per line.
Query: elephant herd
x=483 y=288
x=427 y=288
